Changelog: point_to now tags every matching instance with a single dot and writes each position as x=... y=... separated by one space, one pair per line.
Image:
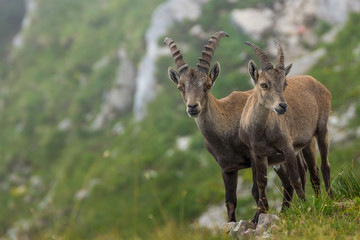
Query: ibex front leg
x=230 y=181
x=260 y=164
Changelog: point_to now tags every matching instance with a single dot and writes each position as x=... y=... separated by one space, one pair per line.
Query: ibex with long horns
x=219 y=122
x=282 y=116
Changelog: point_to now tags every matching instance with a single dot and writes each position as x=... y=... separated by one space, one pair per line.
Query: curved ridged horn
x=280 y=56
x=178 y=58
x=263 y=58
x=208 y=51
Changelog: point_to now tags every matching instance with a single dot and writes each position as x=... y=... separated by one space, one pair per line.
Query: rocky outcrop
x=255 y=27
x=338 y=125
x=120 y=97
x=31 y=6
x=214 y=217
x=245 y=229
x=292 y=22
x=334 y=11
x=65 y=124
x=303 y=64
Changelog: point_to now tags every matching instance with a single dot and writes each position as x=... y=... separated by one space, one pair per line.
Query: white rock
x=338 y=122
x=266 y=221
x=213 y=218
x=335 y=11
x=198 y=32
x=81 y=194
x=330 y=35
x=120 y=98
x=253 y=22
x=303 y=64
x=118 y=128
x=182 y=143
x=229 y=226
x=245 y=229
x=65 y=124
x=31 y=6
x=35 y=182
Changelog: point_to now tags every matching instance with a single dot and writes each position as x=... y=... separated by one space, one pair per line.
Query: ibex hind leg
x=309 y=153
x=322 y=138
x=292 y=169
x=255 y=190
x=287 y=189
x=302 y=166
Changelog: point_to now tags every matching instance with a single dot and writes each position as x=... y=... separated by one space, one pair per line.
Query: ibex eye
x=263 y=85
x=180 y=88
x=208 y=86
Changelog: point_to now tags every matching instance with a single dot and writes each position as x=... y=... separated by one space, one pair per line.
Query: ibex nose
x=283 y=106
x=192 y=106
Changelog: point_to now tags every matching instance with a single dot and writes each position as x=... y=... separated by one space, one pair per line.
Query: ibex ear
x=287 y=69
x=173 y=75
x=253 y=71
x=215 y=71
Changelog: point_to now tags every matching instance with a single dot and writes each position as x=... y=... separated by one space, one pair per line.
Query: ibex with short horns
x=219 y=122
x=281 y=117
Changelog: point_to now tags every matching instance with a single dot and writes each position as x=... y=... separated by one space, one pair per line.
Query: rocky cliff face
x=31 y=6
x=293 y=23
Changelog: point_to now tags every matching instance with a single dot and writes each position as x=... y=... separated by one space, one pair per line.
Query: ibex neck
x=258 y=115
x=209 y=114
x=214 y=121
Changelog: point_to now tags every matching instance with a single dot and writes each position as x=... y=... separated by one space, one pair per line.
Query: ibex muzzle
x=282 y=109
x=193 y=110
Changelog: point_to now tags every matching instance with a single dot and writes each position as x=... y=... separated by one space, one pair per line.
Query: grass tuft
x=324 y=218
x=347 y=184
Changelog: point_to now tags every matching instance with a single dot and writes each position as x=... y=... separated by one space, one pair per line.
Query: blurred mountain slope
x=60 y=177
